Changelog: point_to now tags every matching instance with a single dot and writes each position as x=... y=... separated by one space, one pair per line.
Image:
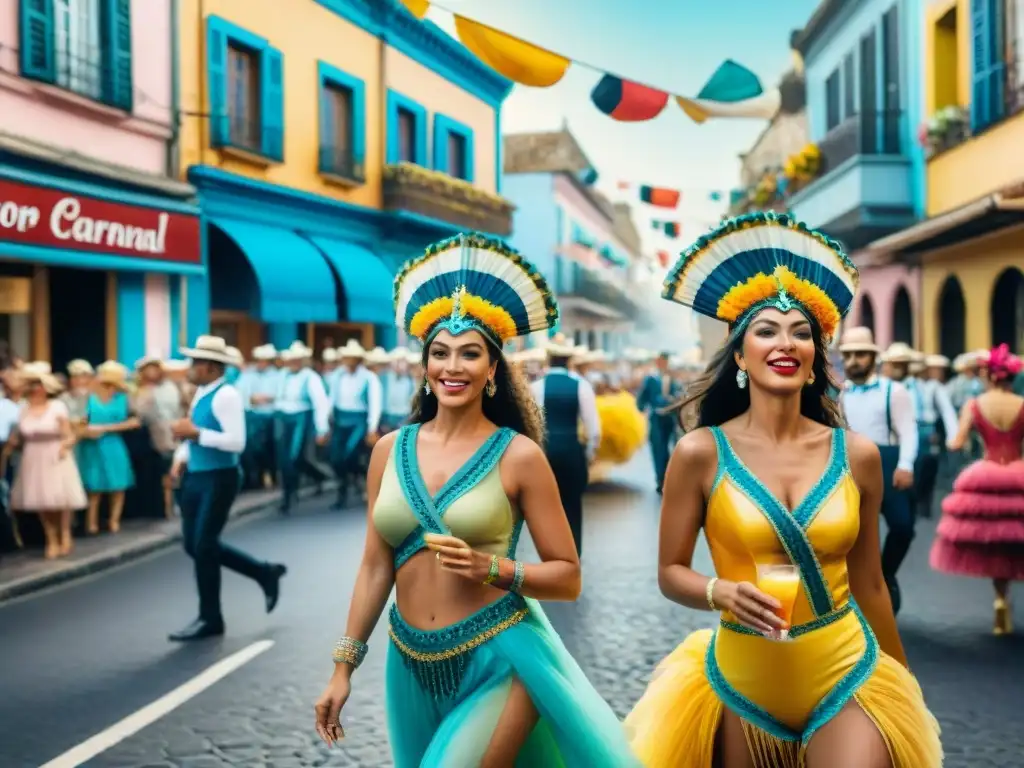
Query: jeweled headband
x=472 y=282
x=762 y=260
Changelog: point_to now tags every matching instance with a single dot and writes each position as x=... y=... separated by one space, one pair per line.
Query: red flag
x=660 y=196
x=664 y=258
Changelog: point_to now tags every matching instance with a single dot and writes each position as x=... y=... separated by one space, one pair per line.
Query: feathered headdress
x=1001 y=363
x=472 y=282
x=762 y=260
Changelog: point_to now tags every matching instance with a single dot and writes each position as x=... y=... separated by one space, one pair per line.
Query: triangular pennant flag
x=732 y=91
x=417 y=8
x=516 y=59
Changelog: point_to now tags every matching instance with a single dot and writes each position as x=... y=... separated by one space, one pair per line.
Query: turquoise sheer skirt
x=446 y=690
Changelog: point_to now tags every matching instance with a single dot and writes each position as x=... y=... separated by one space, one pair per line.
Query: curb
x=103 y=561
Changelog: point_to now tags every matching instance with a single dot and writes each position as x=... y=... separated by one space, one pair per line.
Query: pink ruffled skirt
x=982 y=528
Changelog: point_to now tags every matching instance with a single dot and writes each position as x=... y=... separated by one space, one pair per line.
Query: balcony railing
x=437 y=195
x=591 y=285
x=872 y=133
x=341 y=162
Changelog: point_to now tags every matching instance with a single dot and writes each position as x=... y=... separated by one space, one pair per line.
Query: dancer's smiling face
x=459 y=367
x=778 y=351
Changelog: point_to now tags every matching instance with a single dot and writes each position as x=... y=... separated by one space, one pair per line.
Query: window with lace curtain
x=78 y=46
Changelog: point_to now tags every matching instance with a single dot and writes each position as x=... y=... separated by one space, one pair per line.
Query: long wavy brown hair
x=512 y=405
x=714 y=398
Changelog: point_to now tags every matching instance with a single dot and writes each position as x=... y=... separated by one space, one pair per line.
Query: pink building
x=888 y=302
x=97 y=238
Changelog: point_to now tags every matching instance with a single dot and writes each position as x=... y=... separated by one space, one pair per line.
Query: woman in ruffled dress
x=805 y=667
x=475 y=674
x=982 y=528
x=47 y=481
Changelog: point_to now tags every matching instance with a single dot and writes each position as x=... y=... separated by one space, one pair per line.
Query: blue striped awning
x=295 y=281
x=365 y=279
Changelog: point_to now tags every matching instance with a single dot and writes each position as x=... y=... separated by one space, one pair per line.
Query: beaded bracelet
x=709 y=593
x=519 y=575
x=349 y=650
x=494 y=572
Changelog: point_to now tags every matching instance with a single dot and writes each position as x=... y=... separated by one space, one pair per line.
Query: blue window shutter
x=327 y=132
x=117 y=54
x=997 y=65
x=36 y=47
x=470 y=157
x=440 y=144
x=217 y=80
x=981 y=115
x=391 y=137
x=359 y=128
x=272 y=108
x=420 y=129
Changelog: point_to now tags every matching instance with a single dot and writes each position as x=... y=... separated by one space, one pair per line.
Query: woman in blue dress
x=105 y=465
x=475 y=674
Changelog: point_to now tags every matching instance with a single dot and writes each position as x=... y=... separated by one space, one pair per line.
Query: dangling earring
x=741 y=379
x=491 y=388
x=810 y=381
x=426 y=386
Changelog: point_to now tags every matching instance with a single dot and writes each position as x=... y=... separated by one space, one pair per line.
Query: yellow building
x=971 y=247
x=328 y=144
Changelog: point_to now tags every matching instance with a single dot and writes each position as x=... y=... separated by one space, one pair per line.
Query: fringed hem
x=675 y=723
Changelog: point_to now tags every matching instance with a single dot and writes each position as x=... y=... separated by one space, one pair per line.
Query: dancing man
x=213 y=438
x=356 y=399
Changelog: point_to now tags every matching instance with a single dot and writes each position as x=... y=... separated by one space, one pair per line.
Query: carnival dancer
x=982 y=528
x=356 y=400
x=475 y=673
x=658 y=391
x=258 y=386
x=882 y=410
x=806 y=667
x=213 y=438
x=568 y=402
x=302 y=420
x=399 y=388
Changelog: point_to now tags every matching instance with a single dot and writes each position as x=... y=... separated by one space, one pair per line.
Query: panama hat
x=211 y=348
x=936 y=361
x=80 y=367
x=377 y=356
x=176 y=365
x=296 y=351
x=264 y=352
x=113 y=373
x=559 y=346
x=40 y=371
x=899 y=352
x=399 y=353
x=329 y=355
x=237 y=359
x=152 y=358
x=414 y=358
x=352 y=350
x=858 y=339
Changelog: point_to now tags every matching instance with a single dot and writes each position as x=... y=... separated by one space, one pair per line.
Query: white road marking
x=150 y=713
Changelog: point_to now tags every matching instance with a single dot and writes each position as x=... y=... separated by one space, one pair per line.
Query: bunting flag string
x=732 y=91
x=663 y=197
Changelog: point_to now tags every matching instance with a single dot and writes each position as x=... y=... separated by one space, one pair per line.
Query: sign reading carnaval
x=55 y=219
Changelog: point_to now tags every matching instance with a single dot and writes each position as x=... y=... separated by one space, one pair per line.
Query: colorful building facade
x=865 y=105
x=970 y=250
x=98 y=239
x=587 y=248
x=327 y=150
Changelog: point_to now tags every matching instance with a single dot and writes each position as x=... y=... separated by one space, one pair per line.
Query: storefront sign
x=55 y=219
x=15 y=295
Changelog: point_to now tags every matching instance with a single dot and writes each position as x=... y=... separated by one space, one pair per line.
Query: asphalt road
x=77 y=660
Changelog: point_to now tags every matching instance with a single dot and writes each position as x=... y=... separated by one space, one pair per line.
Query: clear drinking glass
x=783 y=583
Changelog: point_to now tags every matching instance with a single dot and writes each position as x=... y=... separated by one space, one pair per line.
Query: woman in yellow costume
x=774 y=480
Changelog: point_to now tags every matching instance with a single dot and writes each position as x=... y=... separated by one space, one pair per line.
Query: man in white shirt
x=213 y=439
x=356 y=401
x=937 y=423
x=883 y=411
x=568 y=400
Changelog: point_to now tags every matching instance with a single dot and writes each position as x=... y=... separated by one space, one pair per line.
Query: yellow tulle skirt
x=675 y=723
x=623 y=427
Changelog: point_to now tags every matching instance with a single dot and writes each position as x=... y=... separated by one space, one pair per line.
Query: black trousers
x=569 y=464
x=900 y=518
x=206 y=499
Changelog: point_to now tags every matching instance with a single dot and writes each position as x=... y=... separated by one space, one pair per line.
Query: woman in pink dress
x=47 y=480
x=982 y=528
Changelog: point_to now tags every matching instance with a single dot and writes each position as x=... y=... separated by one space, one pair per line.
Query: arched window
x=867 y=312
x=1007 y=310
x=951 y=319
x=902 y=317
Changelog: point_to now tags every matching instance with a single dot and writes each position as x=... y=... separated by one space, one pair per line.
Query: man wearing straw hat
x=258 y=386
x=883 y=411
x=399 y=388
x=568 y=400
x=357 y=402
x=659 y=390
x=213 y=440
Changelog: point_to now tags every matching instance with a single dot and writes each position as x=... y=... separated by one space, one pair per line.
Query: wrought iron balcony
x=600 y=290
x=435 y=195
x=871 y=133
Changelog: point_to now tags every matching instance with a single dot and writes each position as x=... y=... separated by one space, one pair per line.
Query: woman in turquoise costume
x=805 y=668
x=475 y=674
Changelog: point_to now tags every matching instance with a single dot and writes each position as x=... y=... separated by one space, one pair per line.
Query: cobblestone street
x=92 y=653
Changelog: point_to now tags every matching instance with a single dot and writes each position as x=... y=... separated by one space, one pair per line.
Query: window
x=453 y=148
x=869 y=92
x=338 y=101
x=406 y=136
x=849 y=87
x=246 y=129
x=83 y=46
x=832 y=103
x=456 y=156
x=892 y=95
x=989 y=33
x=342 y=124
x=1015 y=48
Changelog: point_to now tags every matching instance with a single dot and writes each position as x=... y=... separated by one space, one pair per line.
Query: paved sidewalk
x=22 y=573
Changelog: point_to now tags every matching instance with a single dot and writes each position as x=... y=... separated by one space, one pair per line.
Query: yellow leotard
x=782 y=691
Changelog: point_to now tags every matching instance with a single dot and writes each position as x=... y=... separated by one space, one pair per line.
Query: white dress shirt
x=587 y=404
x=398 y=392
x=933 y=403
x=864 y=407
x=229 y=409
x=303 y=391
x=359 y=391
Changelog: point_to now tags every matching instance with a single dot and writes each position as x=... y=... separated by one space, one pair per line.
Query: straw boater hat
x=964 y=362
x=559 y=346
x=80 y=368
x=899 y=352
x=152 y=358
x=264 y=352
x=936 y=361
x=113 y=373
x=377 y=356
x=40 y=371
x=917 y=364
x=352 y=350
x=296 y=351
x=212 y=348
x=858 y=339
x=329 y=355
x=237 y=358
x=580 y=353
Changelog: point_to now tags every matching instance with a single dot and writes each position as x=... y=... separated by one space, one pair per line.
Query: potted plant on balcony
x=766 y=190
x=945 y=129
x=802 y=167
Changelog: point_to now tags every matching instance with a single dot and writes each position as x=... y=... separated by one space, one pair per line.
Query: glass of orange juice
x=783 y=583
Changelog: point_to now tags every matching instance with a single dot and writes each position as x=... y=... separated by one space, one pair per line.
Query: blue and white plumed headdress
x=472 y=282
x=762 y=260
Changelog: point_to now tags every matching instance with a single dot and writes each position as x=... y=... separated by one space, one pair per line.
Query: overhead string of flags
x=732 y=91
